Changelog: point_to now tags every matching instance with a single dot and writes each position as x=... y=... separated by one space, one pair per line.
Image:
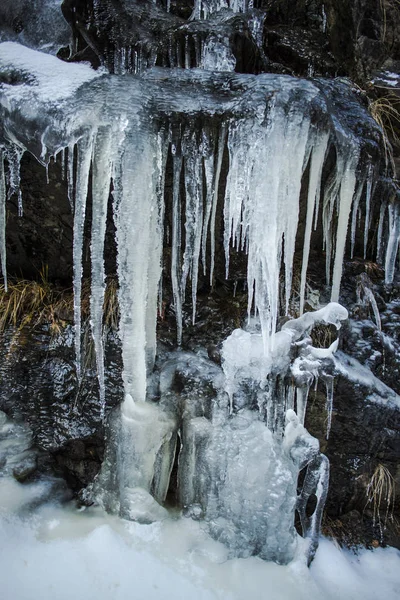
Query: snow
x=387 y=78
x=50 y=79
x=65 y=553
x=53 y=550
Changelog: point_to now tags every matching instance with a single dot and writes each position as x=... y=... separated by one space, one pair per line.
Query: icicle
x=301 y=402
x=347 y=188
x=63 y=164
x=70 y=176
x=324 y=19
x=3 y=220
x=367 y=207
x=14 y=154
x=356 y=204
x=82 y=179
x=210 y=193
x=221 y=148
x=297 y=135
x=379 y=246
x=187 y=53
x=102 y=163
x=198 y=48
x=314 y=187
x=154 y=278
x=20 y=204
x=329 y=403
x=364 y=289
x=193 y=175
x=290 y=396
x=176 y=244
x=135 y=199
x=393 y=242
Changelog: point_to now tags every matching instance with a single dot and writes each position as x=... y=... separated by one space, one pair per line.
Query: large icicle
x=368 y=195
x=355 y=215
x=102 y=166
x=176 y=243
x=379 y=246
x=209 y=170
x=82 y=180
x=135 y=194
x=14 y=154
x=314 y=187
x=155 y=248
x=221 y=148
x=193 y=173
x=347 y=189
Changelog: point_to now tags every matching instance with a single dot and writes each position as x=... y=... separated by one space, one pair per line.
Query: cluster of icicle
x=203 y=9
x=267 y=158
x=186 y=46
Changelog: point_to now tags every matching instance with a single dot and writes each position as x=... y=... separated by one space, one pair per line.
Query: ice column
x=136 y=213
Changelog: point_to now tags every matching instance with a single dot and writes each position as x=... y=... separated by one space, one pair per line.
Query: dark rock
x=25 y=468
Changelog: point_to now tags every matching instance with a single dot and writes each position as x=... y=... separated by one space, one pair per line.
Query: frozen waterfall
x=260 y=144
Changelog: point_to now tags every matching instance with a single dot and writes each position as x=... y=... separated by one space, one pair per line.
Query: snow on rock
x=353 y=370
x=50 y=79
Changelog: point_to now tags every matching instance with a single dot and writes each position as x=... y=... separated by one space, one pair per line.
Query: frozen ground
x=55 y=553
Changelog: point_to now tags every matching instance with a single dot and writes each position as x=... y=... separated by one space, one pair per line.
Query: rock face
x=39 y=386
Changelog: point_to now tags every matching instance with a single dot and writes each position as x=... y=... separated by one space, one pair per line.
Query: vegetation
x=385 y=109
x=380 y=494
x=35 y=303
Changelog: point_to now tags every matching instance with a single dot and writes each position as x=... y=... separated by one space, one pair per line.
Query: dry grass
x=381 y=496
x=36 y=303
x=386 y=112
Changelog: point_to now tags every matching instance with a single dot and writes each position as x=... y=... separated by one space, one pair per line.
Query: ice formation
x=39 y=24
x=240 y=452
